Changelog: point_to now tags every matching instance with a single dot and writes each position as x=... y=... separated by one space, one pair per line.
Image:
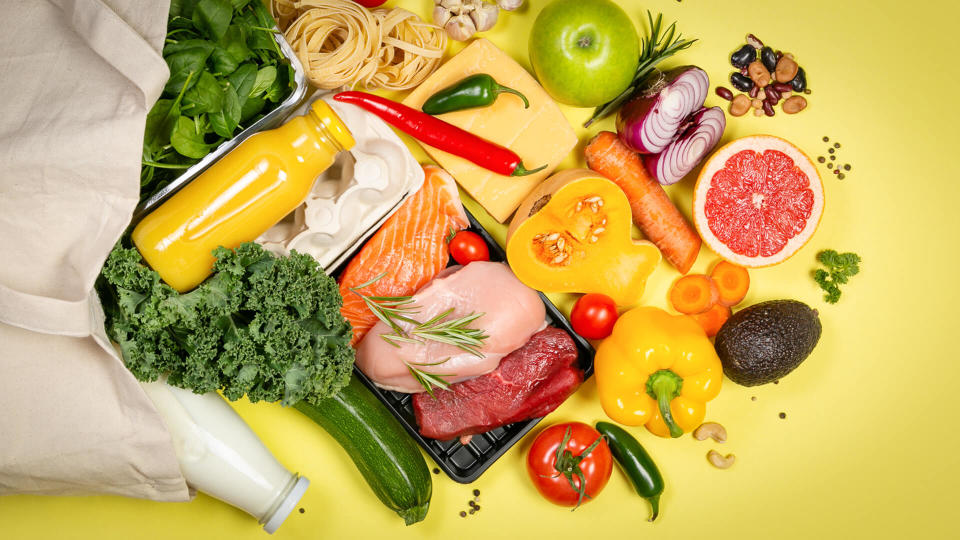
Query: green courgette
x=387 y=457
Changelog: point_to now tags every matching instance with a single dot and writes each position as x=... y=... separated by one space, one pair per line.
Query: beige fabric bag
x=78 y=79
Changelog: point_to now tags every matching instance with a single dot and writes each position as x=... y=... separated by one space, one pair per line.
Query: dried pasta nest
x=341 y=43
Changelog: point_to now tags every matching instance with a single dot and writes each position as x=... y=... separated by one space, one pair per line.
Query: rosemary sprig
x=429 y=381
x=390 y=309
x=656 y=48
x=393 y=310
x=452 y=332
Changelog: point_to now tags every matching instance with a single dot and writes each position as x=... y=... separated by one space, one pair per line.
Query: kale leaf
x=262 y=326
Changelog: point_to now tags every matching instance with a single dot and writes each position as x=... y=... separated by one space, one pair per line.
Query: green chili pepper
x=479 y=90
x=636 y=464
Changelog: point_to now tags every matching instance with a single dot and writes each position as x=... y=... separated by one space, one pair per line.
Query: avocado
x=766 y=341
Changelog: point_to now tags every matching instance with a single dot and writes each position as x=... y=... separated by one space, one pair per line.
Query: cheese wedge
x=540 y=135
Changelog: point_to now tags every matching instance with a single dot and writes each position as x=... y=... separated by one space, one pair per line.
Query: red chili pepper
x=370 y=3
x=440 y=134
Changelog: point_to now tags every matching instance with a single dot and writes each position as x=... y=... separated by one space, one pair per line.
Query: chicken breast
x=512 y=313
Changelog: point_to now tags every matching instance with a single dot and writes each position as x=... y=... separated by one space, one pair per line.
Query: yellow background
x=870 y=443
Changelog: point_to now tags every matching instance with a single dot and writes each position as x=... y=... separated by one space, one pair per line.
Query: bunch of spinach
x=226 y=72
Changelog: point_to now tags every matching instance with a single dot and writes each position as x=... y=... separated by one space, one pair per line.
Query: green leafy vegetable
x=840 y=266
x=656 y=48
x=226 y=71
x=263 y=326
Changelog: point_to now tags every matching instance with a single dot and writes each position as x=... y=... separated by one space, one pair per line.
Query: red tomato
x=370 y=3
x=562 y=464
x=594 y=315
x=466 y=247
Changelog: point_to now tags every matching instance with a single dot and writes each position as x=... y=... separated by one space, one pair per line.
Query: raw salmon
x=410 y=247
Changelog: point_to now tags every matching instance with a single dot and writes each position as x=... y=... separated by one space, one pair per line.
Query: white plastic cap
x=286 y=505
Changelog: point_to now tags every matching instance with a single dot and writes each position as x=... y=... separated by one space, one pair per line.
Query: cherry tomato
x=594 y=315
x=569 y=463
x=466 y=247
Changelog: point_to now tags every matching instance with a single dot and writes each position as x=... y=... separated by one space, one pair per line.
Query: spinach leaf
x=181 y=45
x=182 y=8
x=242 y=81
x=160 y=121
x=205 y=97
x=251 y=108
x=225 y=121
x=265 y=77
x=213 y=17
x=238 y=4
x=187 y=138
x=230 y=51
x=184 y=62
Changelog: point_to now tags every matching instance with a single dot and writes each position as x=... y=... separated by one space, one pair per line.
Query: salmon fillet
x=410 y=247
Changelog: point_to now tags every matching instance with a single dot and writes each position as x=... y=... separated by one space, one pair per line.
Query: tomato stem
x=568 y=464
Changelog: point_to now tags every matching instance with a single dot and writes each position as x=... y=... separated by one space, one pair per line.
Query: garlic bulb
x=441 y=15
x=485 y=17
x=460 y=28
x=509 y=5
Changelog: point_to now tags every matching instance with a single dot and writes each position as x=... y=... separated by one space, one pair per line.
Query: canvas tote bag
x=78 y=77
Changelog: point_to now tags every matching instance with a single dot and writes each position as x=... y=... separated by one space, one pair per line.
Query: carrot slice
x=694 y=294
x=653 y=212
x=733 y=282
x=713 y=319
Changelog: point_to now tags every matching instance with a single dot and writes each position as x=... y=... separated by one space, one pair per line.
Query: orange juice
x=239 y=197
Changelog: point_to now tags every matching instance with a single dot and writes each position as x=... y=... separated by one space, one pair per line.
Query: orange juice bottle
x=247 y=191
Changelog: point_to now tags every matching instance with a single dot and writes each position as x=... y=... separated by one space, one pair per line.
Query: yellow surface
x=869 y=446
x=540 y=134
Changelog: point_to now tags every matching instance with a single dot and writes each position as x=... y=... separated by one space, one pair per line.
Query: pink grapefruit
x=758 y=200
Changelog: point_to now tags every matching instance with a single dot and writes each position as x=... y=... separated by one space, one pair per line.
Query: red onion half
x=700 y=135
x=653 y=119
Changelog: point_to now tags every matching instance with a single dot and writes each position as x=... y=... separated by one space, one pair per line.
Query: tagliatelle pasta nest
x=341 y=43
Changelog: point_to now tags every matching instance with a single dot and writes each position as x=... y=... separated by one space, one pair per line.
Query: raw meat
x=410 y=247
x=512 y=312
x=530 y=382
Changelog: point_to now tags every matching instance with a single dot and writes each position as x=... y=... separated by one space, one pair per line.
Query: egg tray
x=465 y=464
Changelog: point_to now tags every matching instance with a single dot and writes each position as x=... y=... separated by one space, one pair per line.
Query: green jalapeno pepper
x=636 y=464
x=479 y=90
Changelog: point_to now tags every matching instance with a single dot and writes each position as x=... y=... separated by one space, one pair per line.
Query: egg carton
x=351 y=199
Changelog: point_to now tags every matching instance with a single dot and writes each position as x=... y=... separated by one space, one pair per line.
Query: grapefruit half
x=757 y=201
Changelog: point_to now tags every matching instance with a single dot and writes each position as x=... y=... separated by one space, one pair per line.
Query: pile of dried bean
x=766 y=77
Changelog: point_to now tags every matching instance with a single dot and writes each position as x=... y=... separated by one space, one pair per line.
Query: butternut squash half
x=572 y=234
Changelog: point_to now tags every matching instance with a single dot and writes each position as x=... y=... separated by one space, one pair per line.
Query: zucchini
x=386 y=456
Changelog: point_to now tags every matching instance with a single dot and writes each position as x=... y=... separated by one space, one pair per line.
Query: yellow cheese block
x=540 y=135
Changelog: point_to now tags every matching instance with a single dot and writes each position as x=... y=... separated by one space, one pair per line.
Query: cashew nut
x=719 y=461
x=485 y=17
x=460 y=27
x=711 y=430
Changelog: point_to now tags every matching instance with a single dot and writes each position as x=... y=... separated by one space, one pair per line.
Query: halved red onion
x=698 y=137
x=653 y=119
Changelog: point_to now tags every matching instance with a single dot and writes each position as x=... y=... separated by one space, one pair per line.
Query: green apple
x=584 y=52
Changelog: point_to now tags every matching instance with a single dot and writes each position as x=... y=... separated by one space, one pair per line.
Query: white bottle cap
x=286 y=505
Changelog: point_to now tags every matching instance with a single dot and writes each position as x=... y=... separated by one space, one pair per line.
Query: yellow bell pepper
x=658 y=370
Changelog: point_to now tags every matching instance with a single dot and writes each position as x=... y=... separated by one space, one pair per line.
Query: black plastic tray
x=465 y=464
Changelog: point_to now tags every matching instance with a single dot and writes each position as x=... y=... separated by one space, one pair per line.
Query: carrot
x=733 y=282
x=653 y=212
x=694 y=294
x=712 y=319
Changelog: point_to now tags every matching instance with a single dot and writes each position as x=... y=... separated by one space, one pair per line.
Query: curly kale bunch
x=265 y=326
